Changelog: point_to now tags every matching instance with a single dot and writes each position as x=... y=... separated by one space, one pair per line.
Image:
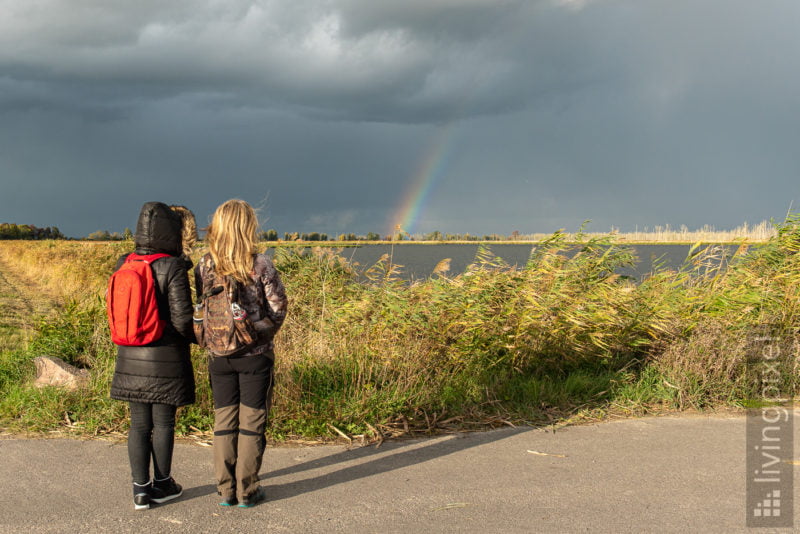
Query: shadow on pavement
x=199 y=491
x=393 y=456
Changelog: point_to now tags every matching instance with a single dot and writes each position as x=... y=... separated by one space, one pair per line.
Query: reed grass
x=562 y=337
x=758 y=233
x=666 y=234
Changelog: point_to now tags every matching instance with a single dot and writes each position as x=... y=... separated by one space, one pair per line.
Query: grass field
x=563 y=339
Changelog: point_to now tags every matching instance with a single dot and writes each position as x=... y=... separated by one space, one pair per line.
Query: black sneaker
x=141 y=497
x=254 y=498
x=165 y=490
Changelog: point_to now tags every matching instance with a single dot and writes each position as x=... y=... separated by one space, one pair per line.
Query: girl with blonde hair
x=242 y=384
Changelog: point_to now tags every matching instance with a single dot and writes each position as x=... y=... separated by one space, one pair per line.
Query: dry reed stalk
x=757 y=233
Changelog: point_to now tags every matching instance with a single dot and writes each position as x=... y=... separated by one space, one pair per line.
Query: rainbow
x=428 y=172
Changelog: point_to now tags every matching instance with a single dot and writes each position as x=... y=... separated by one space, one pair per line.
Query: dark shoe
x=254 y=498
x=141 y=497
x=230 y=501
x=165 y=490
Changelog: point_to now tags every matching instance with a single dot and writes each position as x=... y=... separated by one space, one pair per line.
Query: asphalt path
x=655 y=474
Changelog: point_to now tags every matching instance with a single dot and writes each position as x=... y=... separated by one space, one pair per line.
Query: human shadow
x=345 y=455
x=198 y=491
x=397 y=457
x=325 y=461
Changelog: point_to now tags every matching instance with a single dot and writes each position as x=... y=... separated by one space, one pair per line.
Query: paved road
x=665 y=474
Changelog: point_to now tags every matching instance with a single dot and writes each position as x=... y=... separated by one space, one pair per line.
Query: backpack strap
x=233 y=284
x=208 y=267
x=233 y=288
x=147 y=258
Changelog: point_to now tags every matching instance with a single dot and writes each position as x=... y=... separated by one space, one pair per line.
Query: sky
x=463 y=116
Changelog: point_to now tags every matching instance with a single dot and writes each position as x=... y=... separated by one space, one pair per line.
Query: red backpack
x=131 y=302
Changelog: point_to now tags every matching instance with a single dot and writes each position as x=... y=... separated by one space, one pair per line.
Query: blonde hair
x=188 y=229
x=231 y=239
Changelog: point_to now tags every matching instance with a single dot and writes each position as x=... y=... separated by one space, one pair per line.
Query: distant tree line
x=370 y=236
x=272 y=235
x=29 y=231
x=295 y=236
x=439 y=236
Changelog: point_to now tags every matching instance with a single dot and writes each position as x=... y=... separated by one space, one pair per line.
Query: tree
x=29 y=231
x=26 y=232
x=269 y=235
x=100 y=235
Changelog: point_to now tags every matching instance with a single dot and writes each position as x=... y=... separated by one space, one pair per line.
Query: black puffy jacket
x=160 y=372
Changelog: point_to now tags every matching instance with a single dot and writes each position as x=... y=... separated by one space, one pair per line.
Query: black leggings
x=152 y=433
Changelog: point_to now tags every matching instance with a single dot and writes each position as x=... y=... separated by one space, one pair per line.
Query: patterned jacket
x=266 y=279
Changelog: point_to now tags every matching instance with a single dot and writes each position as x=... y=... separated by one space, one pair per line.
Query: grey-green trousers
x=242 y=389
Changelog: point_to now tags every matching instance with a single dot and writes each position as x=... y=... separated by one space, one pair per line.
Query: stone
x=52 y=371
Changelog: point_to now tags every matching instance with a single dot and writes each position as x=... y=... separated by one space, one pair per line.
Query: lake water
x=418 y=261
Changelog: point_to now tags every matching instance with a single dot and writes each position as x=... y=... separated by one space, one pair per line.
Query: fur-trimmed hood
x=189 y=229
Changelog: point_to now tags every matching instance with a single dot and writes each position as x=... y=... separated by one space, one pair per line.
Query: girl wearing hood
x=157 y=378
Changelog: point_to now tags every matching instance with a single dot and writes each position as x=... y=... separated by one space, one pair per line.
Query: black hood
x=158 y=230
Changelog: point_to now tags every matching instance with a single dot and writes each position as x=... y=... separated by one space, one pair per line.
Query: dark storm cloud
x=302 y=172
x=624 y=112
x=411 y=61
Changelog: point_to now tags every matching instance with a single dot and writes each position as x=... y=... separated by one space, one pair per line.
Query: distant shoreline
x=350 y=244
x=742 y=241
